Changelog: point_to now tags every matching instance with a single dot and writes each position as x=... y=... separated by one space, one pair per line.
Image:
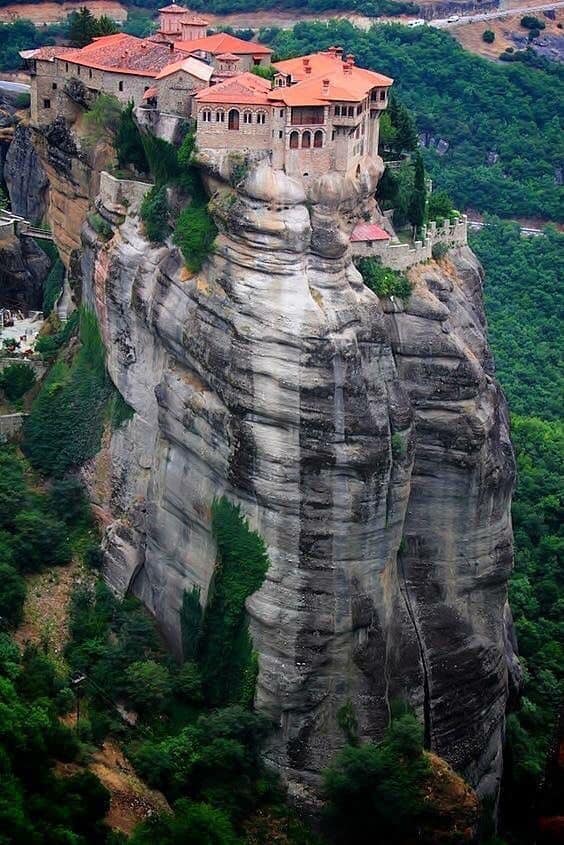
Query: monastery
x=319 y=113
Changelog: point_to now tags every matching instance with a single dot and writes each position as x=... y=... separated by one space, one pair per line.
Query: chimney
x=347 y=67
x=307 y=69
x=325 y=84
x=333 y=52
x=339 y=52
x=350 y=59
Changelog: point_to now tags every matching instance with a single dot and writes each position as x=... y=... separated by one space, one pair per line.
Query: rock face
x=23 y=269
x=366 y=440
x=25 y=178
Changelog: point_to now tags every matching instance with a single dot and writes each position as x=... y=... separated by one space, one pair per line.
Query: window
x=333 y=135
x=318 y=139
x=233 y=119
x=67 y=67
x=281 y=112
x=90 y=73
x=280 y=133
x=294 y=139
x=306 y=140
x=261 y=117
x=351 y=111
x=46 y=103
x=247 y=117
x=256 y=62
x=120 y=86
x=206 y=116
x=54 y=86
x=220 y=117
x=358 y=109
x=306 y=115
x=383 y=94
x=337 y=111
x=78 y=70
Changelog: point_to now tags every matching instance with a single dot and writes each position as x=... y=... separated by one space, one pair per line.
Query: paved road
x=15 y=87
x=442 y=23
x=526 y=231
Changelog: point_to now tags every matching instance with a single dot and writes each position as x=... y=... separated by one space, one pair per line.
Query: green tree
x=148 y=684
x=375 y=792
x=154 y=214
x=129 y=147
x=488 y=36
x=40 y=541
x=12 y=596
x=191 y=824
x=416 y=210
x=195 y=234
x=15 y=380
x=81 y=27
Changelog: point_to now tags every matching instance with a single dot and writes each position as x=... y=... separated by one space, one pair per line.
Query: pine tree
x=82 y=27
x=416 y=211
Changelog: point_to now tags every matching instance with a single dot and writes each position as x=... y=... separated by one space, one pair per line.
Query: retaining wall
x=36 y=364
x=123 y=193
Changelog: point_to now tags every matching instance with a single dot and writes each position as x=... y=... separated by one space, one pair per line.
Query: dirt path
x=46 y=607
x=42 y=13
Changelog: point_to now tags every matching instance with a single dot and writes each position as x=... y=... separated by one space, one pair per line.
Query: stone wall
x=10 y=426
x=36 y=364
x=401 y=257
x=120 y=194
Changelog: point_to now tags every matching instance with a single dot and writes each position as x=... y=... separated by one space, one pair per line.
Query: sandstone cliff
x=23 y=269
x=366 y=440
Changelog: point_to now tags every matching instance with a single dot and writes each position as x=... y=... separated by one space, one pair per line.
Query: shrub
x=382 y=281
x=40 y=541
x=129 y=146
x=195 y=234
x=439 y=250
x=16 y=380
x=226 y=654
x=375 y=792
x=439 y=206
x=191 y=824
x=531 y=22
x=533 y=33
x=488 y=36
x=154 y=214
x=12 y=595
x=103 y=119
x=65 y=425
x=100 y=226
x=147 y=685
x=69 y=501
x=23 y=100
x=263 y=72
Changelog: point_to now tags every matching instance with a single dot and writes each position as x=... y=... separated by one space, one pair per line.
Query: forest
x=524 y=305
x=455 y=96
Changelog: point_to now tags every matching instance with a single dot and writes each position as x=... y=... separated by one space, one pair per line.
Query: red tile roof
x=150 y=93
x=126 y=54
x=369 y=232
x=173 y=9
x=347 y=83
x=243 y=89
x=222 y=42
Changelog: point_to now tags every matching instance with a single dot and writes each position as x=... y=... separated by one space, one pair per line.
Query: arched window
x=220 y=116
x=294 y=140
x=247 y=117
x=261 y=117
x=206 y=116
x=306 y=140
x=318 y=139
x=233 y=119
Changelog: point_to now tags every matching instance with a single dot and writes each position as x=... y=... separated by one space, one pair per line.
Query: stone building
x=321 y=113
x=213 y=48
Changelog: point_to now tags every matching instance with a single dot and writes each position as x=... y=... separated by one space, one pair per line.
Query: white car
x=453 y=19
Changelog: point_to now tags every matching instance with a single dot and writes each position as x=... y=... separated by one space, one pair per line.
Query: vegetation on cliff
x=460 y=102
